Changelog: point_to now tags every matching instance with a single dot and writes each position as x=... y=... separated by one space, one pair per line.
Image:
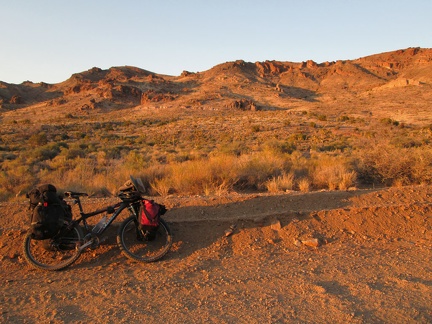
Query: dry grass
x=284 y=182
x=215 y=153
x=400 y=166
x=304 y=185
x=332 y=172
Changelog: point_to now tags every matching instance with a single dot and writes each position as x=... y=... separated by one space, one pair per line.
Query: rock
x=15 y=99
x=230 y=231
x=297 y=242
x=13 y=256
x=243 y=104
x=311 y=242
x=278 y=88
x=311 y=64
x=276 y=225
x=186 y=73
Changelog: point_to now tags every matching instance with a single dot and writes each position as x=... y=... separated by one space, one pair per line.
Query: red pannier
x=150 y=213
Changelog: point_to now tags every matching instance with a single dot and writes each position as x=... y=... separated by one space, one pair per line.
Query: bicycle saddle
x=128 y=185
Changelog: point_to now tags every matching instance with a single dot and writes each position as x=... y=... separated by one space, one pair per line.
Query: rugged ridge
x=230 y=85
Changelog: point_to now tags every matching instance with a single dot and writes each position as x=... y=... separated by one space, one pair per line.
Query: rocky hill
x=268 y=85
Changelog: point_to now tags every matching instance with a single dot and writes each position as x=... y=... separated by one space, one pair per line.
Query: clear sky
x=49 y=40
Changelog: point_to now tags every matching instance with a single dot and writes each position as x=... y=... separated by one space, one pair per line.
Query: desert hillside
x=271 y=85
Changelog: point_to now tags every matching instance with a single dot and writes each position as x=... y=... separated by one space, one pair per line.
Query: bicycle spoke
x=143 y=246
x=53 y=254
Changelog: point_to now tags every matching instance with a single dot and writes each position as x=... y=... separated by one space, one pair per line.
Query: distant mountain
x=231 y=85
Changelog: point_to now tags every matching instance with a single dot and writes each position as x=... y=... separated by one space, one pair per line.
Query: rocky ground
x=360 y=256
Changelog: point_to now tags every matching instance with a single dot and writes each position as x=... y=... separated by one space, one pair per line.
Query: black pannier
x=48 y=212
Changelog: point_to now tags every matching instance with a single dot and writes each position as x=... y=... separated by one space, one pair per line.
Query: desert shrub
x=73 y=153
x=297 y=137
x=387 y=164
x=113 y=152
x=389 y=121
x=43 y=153
x=234 y=148
x=256 y=169
x=86 y=174
x=332 y=172
x=278 y=147
x=304 y=185
x=255 y=128
x=219 y=174
x=283 y=182
x=180 y=157
x=343 y=118
x=214 y=175
x=347 y=180
x=61 y=137
x=299 y=164
x=38 y=139
x=136 y=161
x=156 y=178
x=46 y=152
x=162 y=186
x=15 y=181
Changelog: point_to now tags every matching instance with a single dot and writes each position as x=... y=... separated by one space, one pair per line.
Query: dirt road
x=372 y=265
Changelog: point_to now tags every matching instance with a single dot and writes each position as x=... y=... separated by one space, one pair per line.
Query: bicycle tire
x=56 y=253
x=134 y=245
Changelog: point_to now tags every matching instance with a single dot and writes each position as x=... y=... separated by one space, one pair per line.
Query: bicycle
x=75 y=236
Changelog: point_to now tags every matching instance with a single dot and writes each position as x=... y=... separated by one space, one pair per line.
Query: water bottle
x=98 y=227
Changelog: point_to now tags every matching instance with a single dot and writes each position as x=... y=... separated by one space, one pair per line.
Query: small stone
x=276 y=225
x=230 y=231
x=297 y=242
x=13 y=256
x=311 y=242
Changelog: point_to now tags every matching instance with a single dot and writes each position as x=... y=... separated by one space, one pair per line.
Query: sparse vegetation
x=193 y=156
x=309 y=135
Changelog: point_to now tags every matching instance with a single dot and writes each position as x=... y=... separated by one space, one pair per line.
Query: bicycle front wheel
x=56 y=253
x=137 y=245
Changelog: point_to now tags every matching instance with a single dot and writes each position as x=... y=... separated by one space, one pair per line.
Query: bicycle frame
x=115 y=210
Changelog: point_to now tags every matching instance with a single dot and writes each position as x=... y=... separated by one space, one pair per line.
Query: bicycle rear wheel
x=139 y=246
x=56 y=253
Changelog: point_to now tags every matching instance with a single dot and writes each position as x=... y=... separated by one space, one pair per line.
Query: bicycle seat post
x=77 y=201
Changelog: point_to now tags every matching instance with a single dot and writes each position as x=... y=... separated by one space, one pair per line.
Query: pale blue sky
x=48 y=40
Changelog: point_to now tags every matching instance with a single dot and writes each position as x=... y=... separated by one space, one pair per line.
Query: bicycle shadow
x=214 y=229
x=235 y=226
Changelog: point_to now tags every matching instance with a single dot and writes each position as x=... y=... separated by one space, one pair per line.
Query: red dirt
x=372 y=265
